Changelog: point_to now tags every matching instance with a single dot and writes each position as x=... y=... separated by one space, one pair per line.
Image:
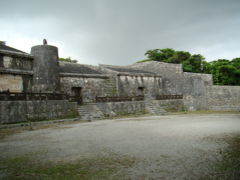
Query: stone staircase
x=154 y=108
x=89 y=112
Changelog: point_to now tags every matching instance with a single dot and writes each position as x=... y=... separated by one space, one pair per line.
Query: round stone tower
x=45 y=68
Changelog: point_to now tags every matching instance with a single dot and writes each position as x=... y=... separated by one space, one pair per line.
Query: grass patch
x=228 y=167
x=95 y=168
x=10 y=131
x=204 y=112
x=69 y=115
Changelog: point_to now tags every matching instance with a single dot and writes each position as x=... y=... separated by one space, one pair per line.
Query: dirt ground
x=185 y=146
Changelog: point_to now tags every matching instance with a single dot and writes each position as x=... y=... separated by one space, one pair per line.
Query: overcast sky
x=119 y=32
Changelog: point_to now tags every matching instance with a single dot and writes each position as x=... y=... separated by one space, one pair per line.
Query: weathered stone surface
x=172 y=75
x=91 y=87
x=223 y=98
x=14 y=83
x=20 y=111
x=16 y=73
x=112 y=109
x=149 y=86
x=22 y=63
x=45 y=68
x=20 y=72
x=194 y=90
x=66 y=67
x=171 y=105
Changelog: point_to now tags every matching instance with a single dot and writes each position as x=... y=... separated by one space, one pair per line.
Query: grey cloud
x=119 y=32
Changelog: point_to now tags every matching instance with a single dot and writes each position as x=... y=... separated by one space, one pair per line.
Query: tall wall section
x=16 y=72
x=223 y=98
x=91 y=86
x=130 y=85
x=197 y=89
x=172 y=75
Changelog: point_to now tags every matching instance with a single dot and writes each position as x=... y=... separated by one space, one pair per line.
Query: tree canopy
x=225 y=72
x=68 y=60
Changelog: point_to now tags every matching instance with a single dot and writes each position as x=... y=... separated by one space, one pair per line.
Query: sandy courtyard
x=162 y=147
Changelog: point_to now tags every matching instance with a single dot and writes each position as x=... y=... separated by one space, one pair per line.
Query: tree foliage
x=68 y=60
x=225 y=72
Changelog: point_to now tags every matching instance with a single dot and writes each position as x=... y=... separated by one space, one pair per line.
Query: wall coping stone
x=138 y=74
x=16 y=54
x=15 y=71
x=84 y=75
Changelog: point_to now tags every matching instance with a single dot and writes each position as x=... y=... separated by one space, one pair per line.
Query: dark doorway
x=140 y=91
x=77 y=94
x=1 y=60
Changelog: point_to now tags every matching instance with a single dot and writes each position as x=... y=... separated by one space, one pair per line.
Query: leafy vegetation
x=225 y=72
x=95 y=168
x=68 y=60
x=228 y=166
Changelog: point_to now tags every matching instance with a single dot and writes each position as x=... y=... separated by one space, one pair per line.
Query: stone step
x=155 y=108
x=90 y=112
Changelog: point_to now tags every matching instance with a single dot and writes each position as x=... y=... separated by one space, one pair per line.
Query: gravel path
x=164 y=147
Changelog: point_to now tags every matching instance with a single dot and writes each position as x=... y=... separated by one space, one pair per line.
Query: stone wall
x=13 y=83
x=20 y=111
x=223 y=98
x=172 y=75
x=194 y=90
x=172 y=105
x=112 y=109
x=149 y=86
x=91 y=86
x=197 y=89
x=15 y=62
x=16 y=73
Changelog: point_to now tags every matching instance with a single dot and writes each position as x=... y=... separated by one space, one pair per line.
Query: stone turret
x=45 y=68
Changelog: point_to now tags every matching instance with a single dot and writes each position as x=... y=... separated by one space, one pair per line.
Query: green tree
x=225 y=72
x=191 y=63
x=160 y=54
x=196 y=61
x=68 y=60
x=179 y=57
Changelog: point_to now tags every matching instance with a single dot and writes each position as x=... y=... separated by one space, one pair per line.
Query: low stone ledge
x=84 y=75
x=33 y=111
x=15 y=71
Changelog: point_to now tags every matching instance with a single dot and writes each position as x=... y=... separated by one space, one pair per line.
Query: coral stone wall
x=223 y=98
x=130 y=85
x=16 y=73
x=13 y=83
x=171 y=105
x=21 y=63
x=112 y=109
x=20 y=111
x=195 y=90
x=91 y=87
x=172 y=75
